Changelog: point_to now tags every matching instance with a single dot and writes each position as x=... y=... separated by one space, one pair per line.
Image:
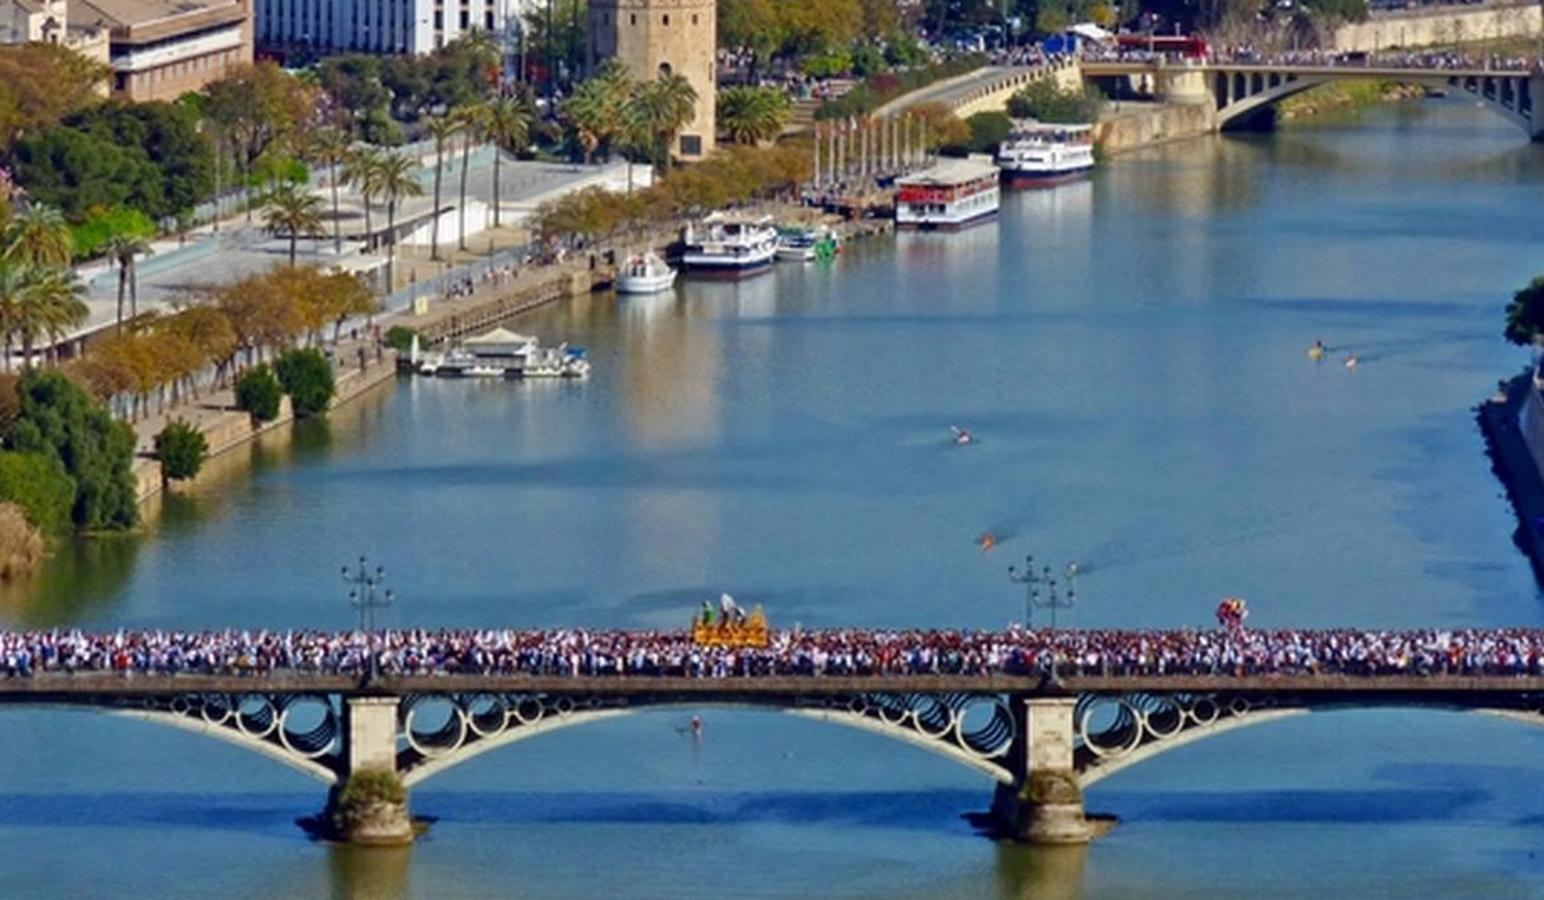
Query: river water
x=1130 y=353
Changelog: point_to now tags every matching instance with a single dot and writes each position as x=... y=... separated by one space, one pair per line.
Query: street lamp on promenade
x=1052 y=598
x=365 y=598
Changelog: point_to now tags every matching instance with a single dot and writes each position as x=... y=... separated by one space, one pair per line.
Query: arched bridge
x=1238 y=91
x=1041 y=739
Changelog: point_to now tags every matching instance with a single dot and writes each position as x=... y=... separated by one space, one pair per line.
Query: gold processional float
x=730 y=626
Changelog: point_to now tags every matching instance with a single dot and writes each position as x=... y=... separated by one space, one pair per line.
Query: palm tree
x=595 y=109
x=751 y=115
x=359 y=170
x=39 y=236
x=293 y=212
x=56 y=295
x=125 y=249
x=396 y=178
x=471 y=119
x=662 y=107
x=443 y=128
x=332 y=149
x=506 y=125
x=14 y=284
x=36 y=303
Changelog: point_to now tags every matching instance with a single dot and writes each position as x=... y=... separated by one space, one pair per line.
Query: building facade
x=48 y=22
x=378 y=26
x=650 y=37
x=162 y=49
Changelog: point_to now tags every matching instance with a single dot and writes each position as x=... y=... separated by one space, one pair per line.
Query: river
x=1130 y=353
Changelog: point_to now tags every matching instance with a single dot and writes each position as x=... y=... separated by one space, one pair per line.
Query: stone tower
x=654 y=36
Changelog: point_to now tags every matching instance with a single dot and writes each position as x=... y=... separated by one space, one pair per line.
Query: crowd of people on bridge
x=879 y=652
x=1248 y=54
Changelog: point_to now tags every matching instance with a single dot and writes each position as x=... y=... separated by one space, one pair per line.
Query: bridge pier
x=362 y=807
x=1044 y=805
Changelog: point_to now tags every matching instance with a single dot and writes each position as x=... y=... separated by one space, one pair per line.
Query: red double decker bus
x=1192 y=45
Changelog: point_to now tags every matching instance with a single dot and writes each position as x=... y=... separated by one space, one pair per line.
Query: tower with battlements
x=653 y=36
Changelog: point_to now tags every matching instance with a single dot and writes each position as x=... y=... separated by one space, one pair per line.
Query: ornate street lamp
x=365 y=598
x=1052 y=599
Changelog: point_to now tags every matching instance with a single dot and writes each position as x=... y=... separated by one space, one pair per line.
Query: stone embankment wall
x=1513 y=424
x=1424 y=28
x=1133 y=126
x=229 y=428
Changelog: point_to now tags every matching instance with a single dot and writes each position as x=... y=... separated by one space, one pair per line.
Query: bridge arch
x=1133 y=729
x=978 y=731
x=254 y=722
x=1243 y=94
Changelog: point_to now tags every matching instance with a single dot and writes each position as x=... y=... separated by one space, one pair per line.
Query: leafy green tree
x=306 y=376
x=182 y=449
x=987 y=131
x=60 y=419
x=1045 y=101
x=399 y=338
x=76 y=171
x=38 y=484
x=258 y=394
x=168 y=137
x=1525 y=314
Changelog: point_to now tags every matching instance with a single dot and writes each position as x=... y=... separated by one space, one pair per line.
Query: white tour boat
x=726 y=247
x=1042 y=154
x=503 y=354
x=645 y=273
x=952 y=194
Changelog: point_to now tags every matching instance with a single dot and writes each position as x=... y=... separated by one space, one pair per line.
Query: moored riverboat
x=1040 y=155
x=645 y=273
x=949 y=195
x=728 y=247
x=503 y=354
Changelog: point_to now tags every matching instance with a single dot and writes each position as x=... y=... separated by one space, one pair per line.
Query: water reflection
x=80 y=576
x=369 y=873
x=1040 y=873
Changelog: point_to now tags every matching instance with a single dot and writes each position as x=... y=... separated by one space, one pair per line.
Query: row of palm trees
x=40 y=297
x=610 y=111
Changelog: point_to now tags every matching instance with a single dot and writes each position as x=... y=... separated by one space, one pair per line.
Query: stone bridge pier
x=1044 y=804
x=369 y=744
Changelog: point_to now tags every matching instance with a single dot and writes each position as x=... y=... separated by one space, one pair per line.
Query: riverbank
x=1512 y=422
x=1345 y=96
x=358 y=368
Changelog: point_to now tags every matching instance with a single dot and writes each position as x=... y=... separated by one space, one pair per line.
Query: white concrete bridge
x=1040 y=740
x=1235 y=92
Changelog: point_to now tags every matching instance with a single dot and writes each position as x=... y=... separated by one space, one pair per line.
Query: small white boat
x=805 y=244
x=645 y=273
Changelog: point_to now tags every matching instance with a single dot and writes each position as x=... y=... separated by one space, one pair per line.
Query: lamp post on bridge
x=1052 y=599
x=363 y=597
